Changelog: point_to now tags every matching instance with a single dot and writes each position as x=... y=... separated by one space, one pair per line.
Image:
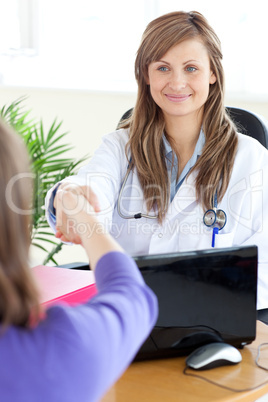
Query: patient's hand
x=71 y=203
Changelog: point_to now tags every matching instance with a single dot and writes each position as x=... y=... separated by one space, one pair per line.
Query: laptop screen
x=203 y=296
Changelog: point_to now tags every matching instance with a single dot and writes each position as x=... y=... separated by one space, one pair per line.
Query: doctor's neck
x=182 y=134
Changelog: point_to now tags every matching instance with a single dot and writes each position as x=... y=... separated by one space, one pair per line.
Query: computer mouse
x=213 y=355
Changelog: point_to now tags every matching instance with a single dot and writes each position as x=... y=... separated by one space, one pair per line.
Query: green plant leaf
x=49 y=165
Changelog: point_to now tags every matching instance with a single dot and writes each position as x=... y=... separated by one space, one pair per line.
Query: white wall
x=87 y=116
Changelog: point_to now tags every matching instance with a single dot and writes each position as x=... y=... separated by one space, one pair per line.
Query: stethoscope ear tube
x=213 y=218
x=137 y=215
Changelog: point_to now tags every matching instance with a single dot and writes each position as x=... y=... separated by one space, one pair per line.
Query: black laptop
x=204 y=296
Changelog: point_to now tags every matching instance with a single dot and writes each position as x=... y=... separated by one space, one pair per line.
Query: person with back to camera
x=179 y=156
x=65 y=353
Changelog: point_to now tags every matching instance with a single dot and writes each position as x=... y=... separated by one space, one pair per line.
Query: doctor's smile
x=177 y=98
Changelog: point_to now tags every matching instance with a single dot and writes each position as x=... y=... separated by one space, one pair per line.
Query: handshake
x=75 y=205
x=76 y=221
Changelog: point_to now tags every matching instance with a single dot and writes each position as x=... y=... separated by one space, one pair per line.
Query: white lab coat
x=245 y=204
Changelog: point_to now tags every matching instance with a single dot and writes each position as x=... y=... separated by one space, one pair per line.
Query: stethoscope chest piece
x=215 y=218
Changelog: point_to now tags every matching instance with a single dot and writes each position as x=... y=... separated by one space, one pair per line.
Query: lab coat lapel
x=185 y=199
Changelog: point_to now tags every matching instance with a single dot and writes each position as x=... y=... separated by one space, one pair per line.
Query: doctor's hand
x=77 y=222
x=70 y=201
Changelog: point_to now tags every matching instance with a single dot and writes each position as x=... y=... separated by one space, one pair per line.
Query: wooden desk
x=164 y=381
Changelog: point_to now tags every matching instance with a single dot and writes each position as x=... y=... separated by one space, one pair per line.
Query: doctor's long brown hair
x=18 y=293
x=147 y=123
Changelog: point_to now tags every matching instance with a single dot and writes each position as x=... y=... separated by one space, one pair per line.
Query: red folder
x=62 y=284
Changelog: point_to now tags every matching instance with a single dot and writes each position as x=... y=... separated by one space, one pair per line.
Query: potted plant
x=49 y=165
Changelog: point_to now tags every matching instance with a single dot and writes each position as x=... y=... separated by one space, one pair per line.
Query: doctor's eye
x=191 y=69
x=162 y=68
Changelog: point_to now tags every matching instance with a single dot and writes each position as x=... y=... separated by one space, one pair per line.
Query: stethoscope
x=213 y=218
x=135 y=216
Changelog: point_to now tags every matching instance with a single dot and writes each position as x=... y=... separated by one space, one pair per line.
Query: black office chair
x=250 y=123
x=247 y=122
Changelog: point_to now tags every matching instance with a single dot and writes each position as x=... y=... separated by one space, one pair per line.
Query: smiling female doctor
x=177 y=176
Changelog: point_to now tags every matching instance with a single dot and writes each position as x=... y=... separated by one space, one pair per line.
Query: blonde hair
x=146 y=124
x=19 y=300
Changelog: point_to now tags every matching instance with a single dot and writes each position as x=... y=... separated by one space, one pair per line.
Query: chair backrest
x=247 y=122
x=250 y=123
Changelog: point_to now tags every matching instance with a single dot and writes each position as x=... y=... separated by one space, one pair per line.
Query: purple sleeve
x=116 y=266
x=108 y=331
x=77 y=353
